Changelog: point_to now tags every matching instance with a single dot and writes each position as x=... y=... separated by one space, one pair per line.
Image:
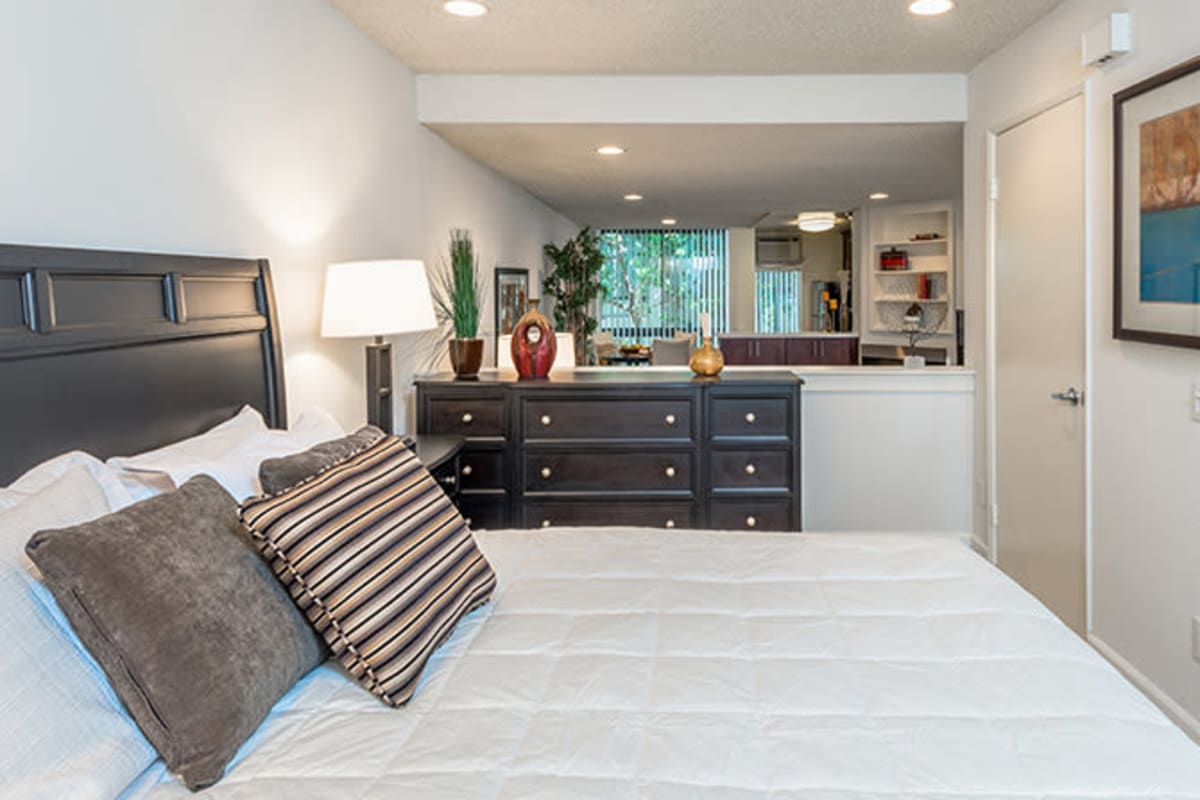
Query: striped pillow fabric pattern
x=378 y=559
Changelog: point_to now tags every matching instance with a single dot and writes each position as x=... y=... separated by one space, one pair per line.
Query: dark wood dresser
x=623 y=447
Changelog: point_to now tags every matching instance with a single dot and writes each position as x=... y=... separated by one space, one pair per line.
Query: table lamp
x=375 y=299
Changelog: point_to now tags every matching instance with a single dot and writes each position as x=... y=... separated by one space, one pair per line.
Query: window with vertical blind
x=657 y=283
x=778 y=301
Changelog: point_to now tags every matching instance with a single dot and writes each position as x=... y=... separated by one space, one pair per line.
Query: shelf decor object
x=706 y=360
x=534 y=345
x=1156 y=259
x=377 y=298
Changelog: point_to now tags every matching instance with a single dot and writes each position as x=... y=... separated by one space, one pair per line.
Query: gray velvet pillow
x=195 y=633
x=277 y=474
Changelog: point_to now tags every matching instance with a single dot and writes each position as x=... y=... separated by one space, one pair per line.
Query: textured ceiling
x=693 y=36
x=717 y=175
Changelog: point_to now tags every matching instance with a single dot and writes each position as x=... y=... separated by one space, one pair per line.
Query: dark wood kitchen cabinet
x=792 y=351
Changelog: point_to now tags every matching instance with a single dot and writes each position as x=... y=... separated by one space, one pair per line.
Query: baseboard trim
x=1178 y=714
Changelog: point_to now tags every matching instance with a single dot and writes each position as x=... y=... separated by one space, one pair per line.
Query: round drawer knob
x=467 y=469
x=467 y=419
x=449 y=480
x=751 y=522
x=545 y=523
x=546 y=419
x=468 y=521
x=546 y=472
x=751 y=469
x=750 y=418
x=670 y=523
x=669 y=419
x=669 y=472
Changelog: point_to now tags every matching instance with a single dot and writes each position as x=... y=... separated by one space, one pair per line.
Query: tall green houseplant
x=574 y=283
x=459 y=299
x=459 y=287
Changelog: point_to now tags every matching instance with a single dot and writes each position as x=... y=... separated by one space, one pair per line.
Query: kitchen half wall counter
x=884 y=448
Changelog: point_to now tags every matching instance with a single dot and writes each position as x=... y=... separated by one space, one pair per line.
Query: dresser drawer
x=649 y=514
x=750 y=515
x=753 y=417
x=608 y=418
x=481 y=469
x=484 y=511
x=583 y=471
x=751 y=469
x=472 y=417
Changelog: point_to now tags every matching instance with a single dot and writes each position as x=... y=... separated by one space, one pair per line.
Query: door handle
x=1072 y=396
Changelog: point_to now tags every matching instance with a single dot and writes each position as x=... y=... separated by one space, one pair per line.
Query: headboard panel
x=115 y=353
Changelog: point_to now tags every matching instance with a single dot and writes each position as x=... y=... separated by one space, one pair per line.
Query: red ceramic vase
x=533 y=345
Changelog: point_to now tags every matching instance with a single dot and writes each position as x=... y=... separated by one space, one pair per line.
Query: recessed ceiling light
x=670 y=221
x=817 y=221
x=610 y=150
x=633 y=198
x=930 y=8
x=879 y=196
x=465 y=8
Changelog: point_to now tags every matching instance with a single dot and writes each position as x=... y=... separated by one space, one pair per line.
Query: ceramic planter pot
x=466 y=357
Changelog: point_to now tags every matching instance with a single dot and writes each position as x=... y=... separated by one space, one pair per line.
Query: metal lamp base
x=379 y=385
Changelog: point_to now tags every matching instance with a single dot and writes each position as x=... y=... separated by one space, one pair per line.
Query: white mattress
x=651 y=664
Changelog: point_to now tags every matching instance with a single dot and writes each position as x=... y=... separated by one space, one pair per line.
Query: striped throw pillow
x=378 y=559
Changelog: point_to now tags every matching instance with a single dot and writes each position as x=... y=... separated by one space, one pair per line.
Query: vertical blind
x=778 y=301
x=657 y=283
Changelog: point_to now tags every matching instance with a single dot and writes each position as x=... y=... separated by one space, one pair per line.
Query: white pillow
x=212 y=444
x=231 y=452
x=51 y=470
x=63 y=733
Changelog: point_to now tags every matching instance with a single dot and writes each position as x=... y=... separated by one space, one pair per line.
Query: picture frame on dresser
x=511 y=286
x=1156 y=205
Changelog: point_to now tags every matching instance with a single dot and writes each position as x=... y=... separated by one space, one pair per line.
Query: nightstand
x=439 y=453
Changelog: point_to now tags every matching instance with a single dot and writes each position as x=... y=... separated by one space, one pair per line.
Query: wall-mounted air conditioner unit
x=779 y=249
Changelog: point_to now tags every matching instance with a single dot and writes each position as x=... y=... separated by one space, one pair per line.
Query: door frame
x=1084 y=92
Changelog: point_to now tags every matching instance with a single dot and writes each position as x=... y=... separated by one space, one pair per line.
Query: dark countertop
x=613 y=377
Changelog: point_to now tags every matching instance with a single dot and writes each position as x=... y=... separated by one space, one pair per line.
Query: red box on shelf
x=893 y=260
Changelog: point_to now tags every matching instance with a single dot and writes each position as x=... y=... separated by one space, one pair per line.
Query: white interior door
x=1040 y=352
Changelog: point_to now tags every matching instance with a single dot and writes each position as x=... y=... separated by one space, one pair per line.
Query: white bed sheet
x=649 y=664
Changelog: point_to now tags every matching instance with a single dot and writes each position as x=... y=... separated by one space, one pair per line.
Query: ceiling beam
x=687 y=100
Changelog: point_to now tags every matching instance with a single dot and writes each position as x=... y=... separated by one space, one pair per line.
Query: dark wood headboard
x=115 y=353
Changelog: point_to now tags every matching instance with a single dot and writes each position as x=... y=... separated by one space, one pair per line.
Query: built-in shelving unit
x=893 y=291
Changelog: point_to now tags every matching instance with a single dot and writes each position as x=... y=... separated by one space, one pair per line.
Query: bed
x=615 y=663
x=634 y=663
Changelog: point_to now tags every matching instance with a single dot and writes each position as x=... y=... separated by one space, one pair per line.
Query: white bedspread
x=651 y=664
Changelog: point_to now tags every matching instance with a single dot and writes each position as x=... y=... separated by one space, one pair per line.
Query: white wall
x=259 y=128
x=742 y=266
x=1146 y=519
x=887 y=449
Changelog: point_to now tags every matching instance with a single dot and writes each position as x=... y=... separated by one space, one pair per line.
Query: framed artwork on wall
x=1156 y=262
x=512 y=299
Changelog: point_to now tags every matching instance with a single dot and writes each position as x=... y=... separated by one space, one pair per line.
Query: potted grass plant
x=459 y=301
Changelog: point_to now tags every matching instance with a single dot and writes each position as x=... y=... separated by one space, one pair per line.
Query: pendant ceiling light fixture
x=930 y=8
x=817 y=221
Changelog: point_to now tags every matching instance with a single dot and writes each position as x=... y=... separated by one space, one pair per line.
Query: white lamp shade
x=376 y=298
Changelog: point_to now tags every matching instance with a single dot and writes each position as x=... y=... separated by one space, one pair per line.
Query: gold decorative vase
x=707 y=361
